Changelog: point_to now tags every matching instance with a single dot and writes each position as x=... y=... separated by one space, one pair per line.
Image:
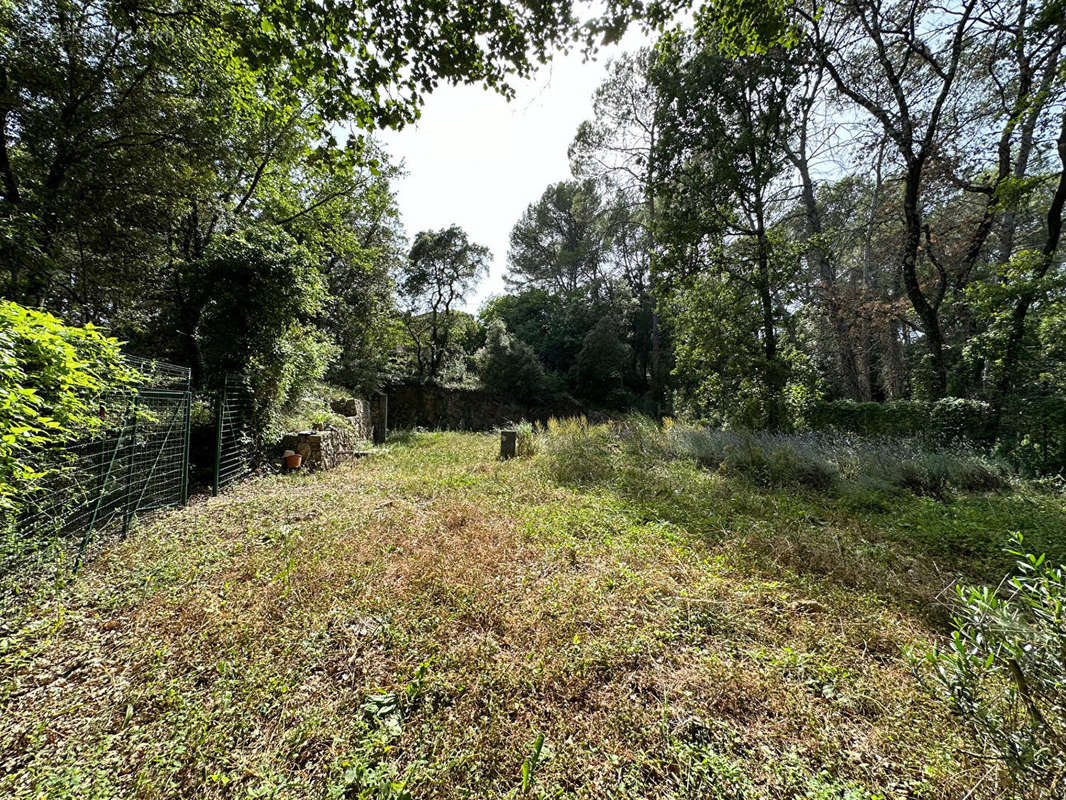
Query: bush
x=510 y=367
x=56 y=383
x=946 y=422
x=282 y=380
x=601 y=365
x=1033 y=435
x=1004 y=671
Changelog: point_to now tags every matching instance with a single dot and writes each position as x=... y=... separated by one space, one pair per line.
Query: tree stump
x=508 y=444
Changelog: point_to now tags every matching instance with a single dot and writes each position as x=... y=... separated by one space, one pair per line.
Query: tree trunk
x=927 y=313
x=774 y=374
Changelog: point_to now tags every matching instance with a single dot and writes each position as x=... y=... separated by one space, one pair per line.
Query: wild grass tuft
x=819 y=461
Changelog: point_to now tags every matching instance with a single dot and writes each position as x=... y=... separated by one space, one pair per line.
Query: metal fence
x=137 y=461
x=234 y=440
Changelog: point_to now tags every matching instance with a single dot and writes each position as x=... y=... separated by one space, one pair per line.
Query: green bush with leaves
x=948 y=421
x=56 y=384
x=258 y=322
x=509 y=366
x=1004 y=671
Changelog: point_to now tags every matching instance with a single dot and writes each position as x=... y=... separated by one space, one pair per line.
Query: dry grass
x=406 y=625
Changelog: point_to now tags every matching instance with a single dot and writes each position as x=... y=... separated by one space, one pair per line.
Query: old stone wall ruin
x=330 y=446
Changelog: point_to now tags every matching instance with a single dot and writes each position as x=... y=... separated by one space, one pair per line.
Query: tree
x=560 y=241
x=617 y=147
x=600 y=367
x=132 y=135
x=442 y=268
x=129 y=148
x=721 y=150
x=258 y=319
x=908 y=68
x=509 y=366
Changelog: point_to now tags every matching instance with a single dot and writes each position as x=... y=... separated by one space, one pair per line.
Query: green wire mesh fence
x=137 y=460
x=234 y=432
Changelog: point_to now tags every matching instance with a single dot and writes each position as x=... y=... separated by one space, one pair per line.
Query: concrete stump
x=508 y=444
x=379 y=416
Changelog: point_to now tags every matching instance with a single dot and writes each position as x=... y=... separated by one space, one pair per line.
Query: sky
x=476 y=160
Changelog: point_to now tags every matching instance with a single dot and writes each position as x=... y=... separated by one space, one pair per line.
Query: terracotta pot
x=293 y=460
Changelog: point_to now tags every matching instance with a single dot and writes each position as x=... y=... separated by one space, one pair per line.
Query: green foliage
x=1004 y=670
x=719 y=151
x=747 y=27
x=509 y=366
x=56 y=385
x=281 y=380
x=266 y=288
x=600 y=367
x=441 y=270
x=559 y=242
x=945 y=422
x=203 y=119
x=554 y=325
x=721 y=370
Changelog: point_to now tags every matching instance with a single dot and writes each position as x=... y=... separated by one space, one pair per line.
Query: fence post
x=185 y=450
x=128 y=516
x=220 y=399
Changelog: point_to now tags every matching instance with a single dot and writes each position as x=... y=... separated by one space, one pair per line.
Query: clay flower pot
x=293 y=460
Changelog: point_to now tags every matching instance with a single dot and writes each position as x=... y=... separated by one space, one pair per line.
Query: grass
x=430 y=622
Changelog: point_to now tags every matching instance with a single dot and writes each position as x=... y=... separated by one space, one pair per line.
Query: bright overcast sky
x=476 y=160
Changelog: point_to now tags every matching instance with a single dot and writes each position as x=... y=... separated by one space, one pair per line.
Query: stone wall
x=322 y=449
x=358 y=412
x=416 y=405
x=326 y=448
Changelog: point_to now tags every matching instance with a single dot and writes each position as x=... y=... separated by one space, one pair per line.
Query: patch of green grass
x=410 y=625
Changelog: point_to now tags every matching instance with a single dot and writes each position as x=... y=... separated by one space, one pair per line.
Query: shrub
x=509 y=366
x=948 y=421
x=56 y=383
x=1004 y=671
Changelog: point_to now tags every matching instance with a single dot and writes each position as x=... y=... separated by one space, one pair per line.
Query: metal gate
x=234 y=432
x=137 y=461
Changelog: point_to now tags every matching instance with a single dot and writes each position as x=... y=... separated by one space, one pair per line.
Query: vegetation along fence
x=138 y=461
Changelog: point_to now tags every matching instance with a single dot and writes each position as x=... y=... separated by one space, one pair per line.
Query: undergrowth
x=823 y=461
x=432 y=622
